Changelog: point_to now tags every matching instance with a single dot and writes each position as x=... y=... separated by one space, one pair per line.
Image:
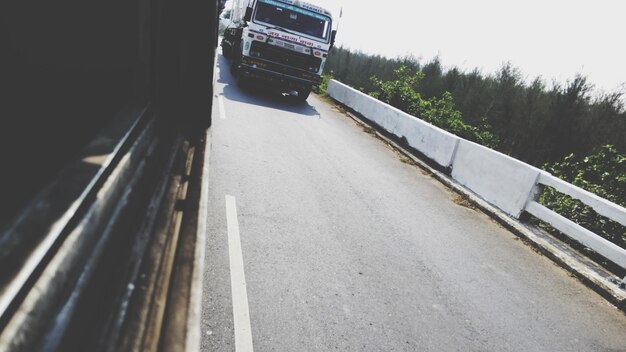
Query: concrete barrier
x=433 y=142
x=501 y=180
x=505 y=182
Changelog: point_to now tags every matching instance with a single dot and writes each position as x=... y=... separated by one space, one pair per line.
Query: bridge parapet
x=507 y=183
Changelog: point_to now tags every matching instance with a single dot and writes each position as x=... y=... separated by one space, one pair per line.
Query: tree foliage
x=402 y=93
x=535 y=122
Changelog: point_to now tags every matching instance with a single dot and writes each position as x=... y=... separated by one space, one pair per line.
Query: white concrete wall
x=435 y=143
x=507 y=183
x=501 y=180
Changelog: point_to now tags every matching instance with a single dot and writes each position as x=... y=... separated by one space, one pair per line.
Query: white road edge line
x=220 y=101
x=241 y=312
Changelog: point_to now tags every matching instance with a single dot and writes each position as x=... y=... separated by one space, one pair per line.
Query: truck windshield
x=293 y=19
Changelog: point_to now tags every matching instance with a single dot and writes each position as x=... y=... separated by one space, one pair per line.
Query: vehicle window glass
x=293 y=19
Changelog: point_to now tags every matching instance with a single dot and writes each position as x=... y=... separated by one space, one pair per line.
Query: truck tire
x=234 y=64
x=235 y=58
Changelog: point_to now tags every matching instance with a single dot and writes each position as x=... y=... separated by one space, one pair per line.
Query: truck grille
x=285 y=57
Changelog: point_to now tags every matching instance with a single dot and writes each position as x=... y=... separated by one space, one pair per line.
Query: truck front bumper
x=277 y=75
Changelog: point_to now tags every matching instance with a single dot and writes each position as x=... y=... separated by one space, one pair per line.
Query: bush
x=402 y=93
x=322 y=89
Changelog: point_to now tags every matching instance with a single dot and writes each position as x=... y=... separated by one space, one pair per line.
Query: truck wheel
x=234 y=63
x=235 y=59
x=303 y=94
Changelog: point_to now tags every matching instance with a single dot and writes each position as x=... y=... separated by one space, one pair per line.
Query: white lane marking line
x=220 y=101
x=241 y=312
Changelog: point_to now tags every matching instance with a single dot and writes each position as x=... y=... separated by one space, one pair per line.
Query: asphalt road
x=346 y=248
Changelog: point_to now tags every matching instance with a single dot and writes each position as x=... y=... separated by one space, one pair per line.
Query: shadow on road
x=259 y=95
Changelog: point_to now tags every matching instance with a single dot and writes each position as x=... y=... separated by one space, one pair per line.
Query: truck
x=281 y=44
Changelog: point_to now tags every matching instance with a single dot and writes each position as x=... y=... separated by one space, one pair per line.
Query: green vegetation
x=323 y=87
x=561 y=128
x=533 y=122
x=402 y=92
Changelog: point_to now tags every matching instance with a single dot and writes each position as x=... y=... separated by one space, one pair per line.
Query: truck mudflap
x=277 y=75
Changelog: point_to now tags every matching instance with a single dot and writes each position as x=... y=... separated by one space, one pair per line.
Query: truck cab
x=280 y=43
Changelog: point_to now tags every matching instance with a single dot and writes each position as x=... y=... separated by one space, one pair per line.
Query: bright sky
x=554 y=39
